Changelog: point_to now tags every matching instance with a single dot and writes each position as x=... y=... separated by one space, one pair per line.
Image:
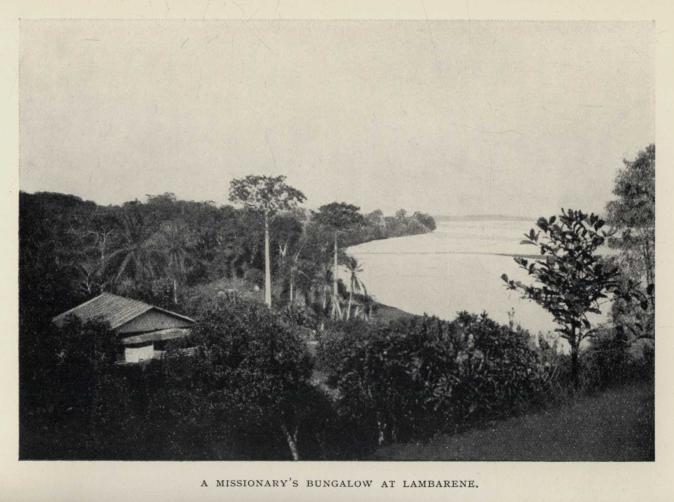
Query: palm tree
x=139 y=257
x=174 y=242
x=355 y=284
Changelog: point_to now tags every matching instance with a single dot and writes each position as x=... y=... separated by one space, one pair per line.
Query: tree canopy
x=632 y=215
x=268 y=194
x=338 y=215
x=167 y=251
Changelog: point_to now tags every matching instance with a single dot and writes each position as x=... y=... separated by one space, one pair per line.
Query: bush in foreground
x=411 y=379
x=246 y=385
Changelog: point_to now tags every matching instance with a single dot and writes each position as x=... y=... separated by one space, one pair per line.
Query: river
x=457 y=267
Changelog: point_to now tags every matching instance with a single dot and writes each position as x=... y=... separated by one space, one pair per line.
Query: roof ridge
x=170 y=312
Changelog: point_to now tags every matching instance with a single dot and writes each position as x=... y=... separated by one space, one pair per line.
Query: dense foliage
x=631 y=217
x=410 y=379
x=338 y=217
x=241 y=391
x=249 y=373
x=247 y=388
x=76 y=403
x=266 y=195
x=71 y=250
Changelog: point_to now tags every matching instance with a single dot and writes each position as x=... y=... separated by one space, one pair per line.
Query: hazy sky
x=447 y=117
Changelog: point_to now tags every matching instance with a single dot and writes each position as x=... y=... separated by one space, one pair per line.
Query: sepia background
x=172 y=481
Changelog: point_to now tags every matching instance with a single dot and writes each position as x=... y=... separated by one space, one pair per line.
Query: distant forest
x=164 y=249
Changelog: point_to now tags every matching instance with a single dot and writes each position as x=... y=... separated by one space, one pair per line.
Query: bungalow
x=142 y=329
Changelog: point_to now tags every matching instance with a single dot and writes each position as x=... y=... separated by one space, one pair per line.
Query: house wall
x=152 y=320
x=137 y=354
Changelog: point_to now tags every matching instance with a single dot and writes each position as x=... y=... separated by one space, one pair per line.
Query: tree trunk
x=648 y=259
x=175 y=292
x=334 y=283
x=292 y=284
x=575 y=367
x=337 y=309
x=102 y=249
x=291 y=439
x=348 y=309
x=267 y=264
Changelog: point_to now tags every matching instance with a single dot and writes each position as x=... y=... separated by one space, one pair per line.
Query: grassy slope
x=387 y=313
x=617 y=425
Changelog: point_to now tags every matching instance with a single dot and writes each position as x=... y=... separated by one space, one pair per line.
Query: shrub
x=247 y=382
x=606 y=360
x=383 y=376
x=614 y=359
x=413 y=378
x=505 y=375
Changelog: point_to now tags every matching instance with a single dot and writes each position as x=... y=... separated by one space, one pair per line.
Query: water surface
x=457 y=267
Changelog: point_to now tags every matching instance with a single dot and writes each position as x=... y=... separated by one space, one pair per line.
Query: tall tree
x=267 y=195
x=571 y=278
x=632 y=217
x=338 y=216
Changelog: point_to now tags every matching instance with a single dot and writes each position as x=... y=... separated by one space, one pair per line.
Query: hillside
x=617 y=425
